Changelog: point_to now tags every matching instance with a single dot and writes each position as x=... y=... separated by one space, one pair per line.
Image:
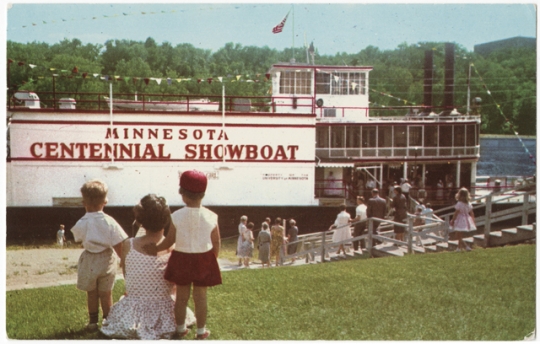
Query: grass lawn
x=481 y=295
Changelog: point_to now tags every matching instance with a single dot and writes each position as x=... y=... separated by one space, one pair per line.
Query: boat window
x=341 y=83
x=385 y=136
x=323 y=83
x=338 y=137
x=369 y=137
x=353 y=137
x=295 y=82
x=430 y=136
x=459 y=135
x=322 y=137
x=445 y=136
x=415 y=136
x=471 y=135
x=400 y=136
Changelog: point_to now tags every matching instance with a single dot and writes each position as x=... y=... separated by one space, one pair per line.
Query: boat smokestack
x=448 y=102
x=428 y=80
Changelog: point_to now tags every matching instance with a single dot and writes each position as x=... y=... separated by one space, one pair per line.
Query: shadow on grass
x=80 y=334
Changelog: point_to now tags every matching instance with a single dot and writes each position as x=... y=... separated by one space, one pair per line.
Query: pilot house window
x=342 y=83
x=295 y=82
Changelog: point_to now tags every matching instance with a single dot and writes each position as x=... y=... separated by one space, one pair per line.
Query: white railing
x=420 y=153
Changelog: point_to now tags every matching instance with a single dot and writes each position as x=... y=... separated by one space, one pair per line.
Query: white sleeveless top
x=193 y=229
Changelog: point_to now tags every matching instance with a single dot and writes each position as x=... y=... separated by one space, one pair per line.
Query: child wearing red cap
x=194 y=230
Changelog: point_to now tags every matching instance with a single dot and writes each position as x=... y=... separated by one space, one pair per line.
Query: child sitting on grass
x=101 y=237
x=195 y=231
x=147 y=310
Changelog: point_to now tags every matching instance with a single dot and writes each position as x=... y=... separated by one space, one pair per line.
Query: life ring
x=320 y=102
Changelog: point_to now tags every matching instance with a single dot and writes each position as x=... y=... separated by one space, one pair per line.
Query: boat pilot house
x=315 y=140
x=356 y=151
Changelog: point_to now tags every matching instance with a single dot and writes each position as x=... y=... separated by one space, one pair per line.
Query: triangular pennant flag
x=135 y=80
x=198 y=81
x=267 y=76
x=158 y=80
x=336 y=78
x=32 y=66
x=146 y=80
x=179 y=80
x=353 y=84
x=209 y=80
x=75 y=70
x=95 y=75
x=220 y=78
x=238 y=77
x=84 y=75
x=169 y=81
x=107 y=77
x=21 y=63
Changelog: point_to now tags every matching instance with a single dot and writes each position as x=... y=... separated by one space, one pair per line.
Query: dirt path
x=40 y=267
x=32 y=268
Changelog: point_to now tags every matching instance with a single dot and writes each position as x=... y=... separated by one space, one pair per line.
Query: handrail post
x=370 y=237
x=409 y=234
x=487 y=225
x=323 y=244
x=446 y=228
x=525 y=211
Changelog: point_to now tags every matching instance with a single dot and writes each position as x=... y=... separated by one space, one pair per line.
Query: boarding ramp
x=435 y=236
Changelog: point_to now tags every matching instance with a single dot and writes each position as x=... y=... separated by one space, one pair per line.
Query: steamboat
x=310 y=145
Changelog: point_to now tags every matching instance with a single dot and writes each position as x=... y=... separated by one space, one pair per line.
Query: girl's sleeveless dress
x=464 y=221
x=147 y=312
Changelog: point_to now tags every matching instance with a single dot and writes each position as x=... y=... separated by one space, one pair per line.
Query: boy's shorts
x=201 y=269
x=96 y=270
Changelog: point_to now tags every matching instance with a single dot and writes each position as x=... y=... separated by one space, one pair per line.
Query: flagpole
x=293 y=31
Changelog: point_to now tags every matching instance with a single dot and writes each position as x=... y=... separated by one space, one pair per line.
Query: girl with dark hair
x=147 y=310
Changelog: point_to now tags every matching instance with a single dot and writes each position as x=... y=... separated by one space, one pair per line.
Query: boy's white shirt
x=98 y=232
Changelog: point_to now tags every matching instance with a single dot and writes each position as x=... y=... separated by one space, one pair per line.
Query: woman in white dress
x=247 y=244
x=241 y=229
x=147 y=310
x=343 y=229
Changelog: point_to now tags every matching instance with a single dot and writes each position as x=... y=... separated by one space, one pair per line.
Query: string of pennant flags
x=405 y=101
x=531 y=157
x=75 y=73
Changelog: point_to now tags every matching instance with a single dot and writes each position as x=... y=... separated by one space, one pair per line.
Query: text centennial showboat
x=312 y=142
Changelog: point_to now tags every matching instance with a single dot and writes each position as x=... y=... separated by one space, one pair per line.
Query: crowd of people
x=396 y=209
x=272 y=241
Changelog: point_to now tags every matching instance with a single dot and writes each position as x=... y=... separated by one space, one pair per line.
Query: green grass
x=481 y=295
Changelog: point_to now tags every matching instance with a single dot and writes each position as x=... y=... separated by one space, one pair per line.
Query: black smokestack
x=448 y=103
x=428 y=80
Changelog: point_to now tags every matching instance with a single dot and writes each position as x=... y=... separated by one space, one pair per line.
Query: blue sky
x=345 y=27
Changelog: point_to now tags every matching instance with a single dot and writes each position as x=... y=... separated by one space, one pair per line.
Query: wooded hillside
x=505 y=80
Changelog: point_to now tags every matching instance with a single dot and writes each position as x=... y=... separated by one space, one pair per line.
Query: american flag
x=279 y=27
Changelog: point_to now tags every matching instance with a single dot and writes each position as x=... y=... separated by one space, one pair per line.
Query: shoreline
x=505 y=136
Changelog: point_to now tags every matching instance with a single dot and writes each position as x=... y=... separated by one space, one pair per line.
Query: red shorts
x=201 y=269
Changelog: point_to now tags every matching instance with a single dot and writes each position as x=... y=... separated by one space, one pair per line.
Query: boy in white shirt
x=194 y=229
x=101 y=237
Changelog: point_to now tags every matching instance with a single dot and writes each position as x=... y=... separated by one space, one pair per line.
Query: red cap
x=194 y=181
